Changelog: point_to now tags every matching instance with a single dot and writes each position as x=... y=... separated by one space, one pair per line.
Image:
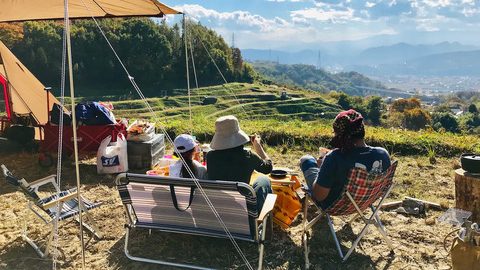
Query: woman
x=186 y=146
x=229 y=161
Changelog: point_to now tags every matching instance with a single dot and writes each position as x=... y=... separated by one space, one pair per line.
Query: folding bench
x=361 y=192
x=176 y=205
x=46 y=208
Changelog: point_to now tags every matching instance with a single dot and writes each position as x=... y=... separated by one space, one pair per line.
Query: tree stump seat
x=467 y=193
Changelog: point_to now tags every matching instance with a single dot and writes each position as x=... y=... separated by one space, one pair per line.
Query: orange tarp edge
x=29 y=10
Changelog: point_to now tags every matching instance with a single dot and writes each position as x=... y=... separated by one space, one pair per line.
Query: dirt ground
x=417 y=245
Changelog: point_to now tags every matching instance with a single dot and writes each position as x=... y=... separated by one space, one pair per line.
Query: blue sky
x=300 y=24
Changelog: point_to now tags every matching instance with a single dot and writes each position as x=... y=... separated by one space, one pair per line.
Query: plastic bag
x=112 y=157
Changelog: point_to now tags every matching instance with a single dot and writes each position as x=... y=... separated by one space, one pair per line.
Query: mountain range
x=443 y=59
x=463 y=63
x=309 y=77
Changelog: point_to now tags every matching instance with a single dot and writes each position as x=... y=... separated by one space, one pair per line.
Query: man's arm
x=320 y=193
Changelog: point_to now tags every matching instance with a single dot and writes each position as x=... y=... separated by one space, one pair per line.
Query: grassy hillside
x=309 y=135
x=248 y=100
x=309 y=77
x=303 y=121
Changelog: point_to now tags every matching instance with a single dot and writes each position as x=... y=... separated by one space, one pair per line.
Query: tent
x=31 y=10
x=23 y=90
x=23 y=93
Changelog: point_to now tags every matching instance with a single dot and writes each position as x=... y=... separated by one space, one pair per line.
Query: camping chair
x=361 y=192
x=175 y=205
x=46 y=208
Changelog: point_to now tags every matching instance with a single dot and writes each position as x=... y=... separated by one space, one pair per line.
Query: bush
x=469 y=122
x=445 y=121
x=405 y=104
x=417 y=119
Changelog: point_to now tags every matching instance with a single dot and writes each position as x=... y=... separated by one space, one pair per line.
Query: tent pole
x=4 y=84
x=74 y=127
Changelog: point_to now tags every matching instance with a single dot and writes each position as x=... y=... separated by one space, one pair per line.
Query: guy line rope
x=60 y=141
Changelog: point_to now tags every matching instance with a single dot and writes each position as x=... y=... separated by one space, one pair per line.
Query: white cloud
x=240 y=19
x=334 y=20
x=322 y=14
x=471 y=12
x=437 y=3
x=308 y=26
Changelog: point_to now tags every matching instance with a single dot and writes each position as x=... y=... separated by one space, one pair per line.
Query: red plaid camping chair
x=361 y=192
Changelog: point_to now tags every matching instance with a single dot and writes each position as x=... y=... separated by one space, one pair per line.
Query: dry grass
x=418 y=246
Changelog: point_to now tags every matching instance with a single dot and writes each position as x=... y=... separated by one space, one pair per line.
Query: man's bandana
x=348 y=123
x=348 y=126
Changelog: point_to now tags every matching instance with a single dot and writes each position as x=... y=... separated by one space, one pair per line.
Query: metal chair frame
x=262 y=222
x=372 y=219
x=35 y=207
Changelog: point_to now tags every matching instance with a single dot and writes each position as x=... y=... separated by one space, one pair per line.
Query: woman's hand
x=256 y=141
x=257 y=146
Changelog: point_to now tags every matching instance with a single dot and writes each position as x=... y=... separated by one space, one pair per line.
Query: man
x=229 y=161
x=327 y=176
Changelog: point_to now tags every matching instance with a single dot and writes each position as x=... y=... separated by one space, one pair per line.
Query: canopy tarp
x=32 y=10
x=26 y=93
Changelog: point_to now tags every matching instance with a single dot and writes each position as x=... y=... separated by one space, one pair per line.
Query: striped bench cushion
x=154 y=208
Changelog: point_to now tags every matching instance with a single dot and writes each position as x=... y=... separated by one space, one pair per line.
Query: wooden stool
x=467 y=193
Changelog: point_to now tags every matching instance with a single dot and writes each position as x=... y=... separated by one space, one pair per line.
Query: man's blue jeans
x=309 y=167
x=262 y=187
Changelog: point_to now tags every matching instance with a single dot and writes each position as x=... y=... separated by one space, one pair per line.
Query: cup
x=322 y=152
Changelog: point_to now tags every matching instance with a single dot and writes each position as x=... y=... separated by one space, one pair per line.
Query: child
x=186 y=146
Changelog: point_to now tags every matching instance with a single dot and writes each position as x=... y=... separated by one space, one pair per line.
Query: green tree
x=248 y=74
x=469 y=122
x=472 y=108
x=374 y=109
x=344 y=101
x=445 y=121
x=11 y=33
x=40 y=50
x=153 y=53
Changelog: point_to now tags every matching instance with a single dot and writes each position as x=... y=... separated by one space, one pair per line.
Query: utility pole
x=319 y=60
x=233 y=40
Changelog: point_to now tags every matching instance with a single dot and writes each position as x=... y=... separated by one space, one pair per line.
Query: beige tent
x=26 y=94
x=25 y=10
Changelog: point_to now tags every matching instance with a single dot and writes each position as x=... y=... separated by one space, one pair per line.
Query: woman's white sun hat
x=184 y=143
x=228 y=134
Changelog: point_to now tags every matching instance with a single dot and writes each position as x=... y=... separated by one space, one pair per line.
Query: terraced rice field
x=249 y=100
